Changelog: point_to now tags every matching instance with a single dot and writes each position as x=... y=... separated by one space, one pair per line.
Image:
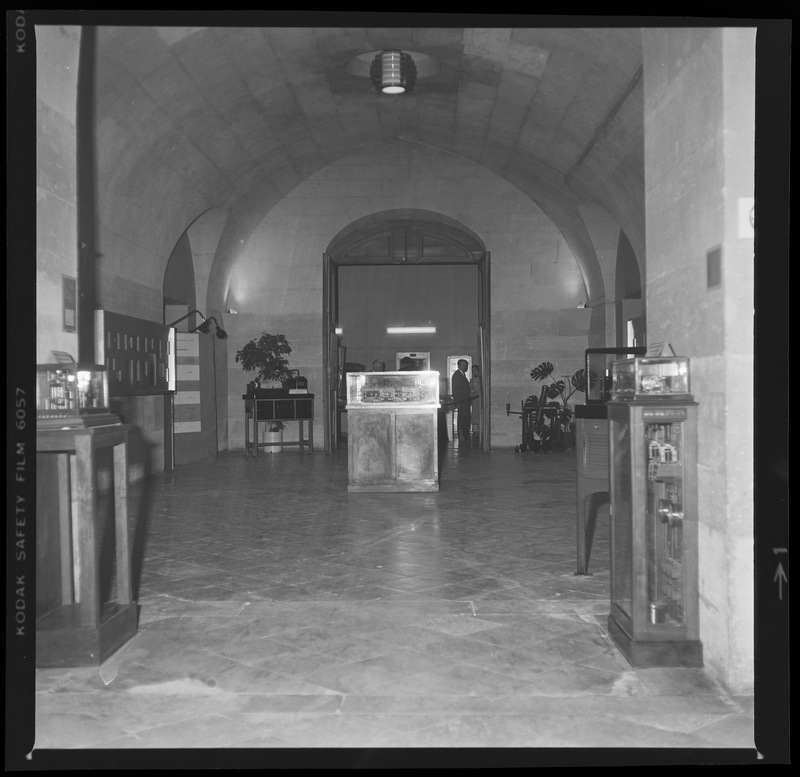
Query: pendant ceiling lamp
x=393 y=72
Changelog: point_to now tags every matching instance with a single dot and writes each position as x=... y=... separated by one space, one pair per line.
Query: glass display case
x=370 y=388
x=71 y=394
x=651 y=377
x=654 y=576
x=392 y=440
x=598 y=363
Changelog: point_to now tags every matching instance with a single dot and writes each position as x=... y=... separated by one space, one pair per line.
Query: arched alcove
x=179 y=281
x=630 y=324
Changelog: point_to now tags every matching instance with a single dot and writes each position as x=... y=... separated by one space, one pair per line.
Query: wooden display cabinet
x=654 y=616
x=75 y=624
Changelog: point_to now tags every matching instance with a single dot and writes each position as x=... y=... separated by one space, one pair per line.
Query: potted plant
x=552 y=417
x=266 y=356
x=274 y=436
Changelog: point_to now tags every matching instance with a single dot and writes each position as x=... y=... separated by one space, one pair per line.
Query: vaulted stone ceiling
x=192 y=118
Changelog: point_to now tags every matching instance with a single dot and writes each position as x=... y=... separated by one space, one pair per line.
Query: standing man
x=462 y=397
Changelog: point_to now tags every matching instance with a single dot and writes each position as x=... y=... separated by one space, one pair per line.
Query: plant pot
x=273 y=437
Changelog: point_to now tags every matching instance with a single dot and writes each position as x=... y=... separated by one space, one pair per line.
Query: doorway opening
x=405 y=268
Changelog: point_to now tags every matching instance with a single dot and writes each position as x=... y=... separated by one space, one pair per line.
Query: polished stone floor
x=278 y=611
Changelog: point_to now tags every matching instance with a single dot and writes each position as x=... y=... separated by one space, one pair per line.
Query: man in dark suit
x=462 y=397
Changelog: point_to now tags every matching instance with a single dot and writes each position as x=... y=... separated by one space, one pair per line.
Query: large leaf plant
x=551 y=416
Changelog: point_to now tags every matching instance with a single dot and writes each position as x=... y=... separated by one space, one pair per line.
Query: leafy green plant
x=560 y=390
x=551 y=417
x=266 y=355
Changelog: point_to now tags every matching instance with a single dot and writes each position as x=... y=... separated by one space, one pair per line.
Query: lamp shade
x=393 y=72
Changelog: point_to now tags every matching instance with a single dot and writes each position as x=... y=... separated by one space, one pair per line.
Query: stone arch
x=406 y=236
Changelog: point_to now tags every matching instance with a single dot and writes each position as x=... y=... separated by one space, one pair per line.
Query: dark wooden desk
x=85 y=630
x=281 y=406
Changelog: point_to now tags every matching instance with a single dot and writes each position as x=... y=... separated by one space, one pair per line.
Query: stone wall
x=699 y=129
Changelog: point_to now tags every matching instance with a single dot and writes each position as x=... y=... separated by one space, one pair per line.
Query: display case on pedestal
x=654 y=616
x=392 y=431
x=77 y=624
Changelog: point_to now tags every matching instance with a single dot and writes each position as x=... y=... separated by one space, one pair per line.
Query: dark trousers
x=464 y=419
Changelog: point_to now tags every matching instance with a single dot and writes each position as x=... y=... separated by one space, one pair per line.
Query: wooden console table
x=84 y=630
x=285 y=407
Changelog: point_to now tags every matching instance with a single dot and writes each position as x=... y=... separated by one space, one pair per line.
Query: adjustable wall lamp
x=205 y=327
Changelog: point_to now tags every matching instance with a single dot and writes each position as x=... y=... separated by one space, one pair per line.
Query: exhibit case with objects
x=650 y=377
x=654 y=616
x=72 y=395
x=392 y=431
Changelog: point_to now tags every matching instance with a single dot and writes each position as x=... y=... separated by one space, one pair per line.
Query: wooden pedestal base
x=61 y=640
x=644 y=654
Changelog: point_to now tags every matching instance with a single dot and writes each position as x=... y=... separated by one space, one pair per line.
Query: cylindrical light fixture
x=393 y=72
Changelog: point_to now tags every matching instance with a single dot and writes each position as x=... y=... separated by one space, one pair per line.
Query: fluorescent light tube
x=410 y=330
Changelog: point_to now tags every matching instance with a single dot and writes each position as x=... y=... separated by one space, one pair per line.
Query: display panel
x=407 y=388
x=139 y=355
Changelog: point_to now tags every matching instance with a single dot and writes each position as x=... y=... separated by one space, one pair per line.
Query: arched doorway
x=402 y=238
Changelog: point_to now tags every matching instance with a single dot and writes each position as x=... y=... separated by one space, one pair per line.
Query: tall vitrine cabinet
x=653 y=480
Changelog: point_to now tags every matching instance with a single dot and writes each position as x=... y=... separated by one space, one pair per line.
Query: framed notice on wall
x=70 y=304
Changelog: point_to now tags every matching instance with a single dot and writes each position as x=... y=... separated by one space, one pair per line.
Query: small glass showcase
x=407 y=388
x=663 y=376
x=598 y=363
x=69 y=390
